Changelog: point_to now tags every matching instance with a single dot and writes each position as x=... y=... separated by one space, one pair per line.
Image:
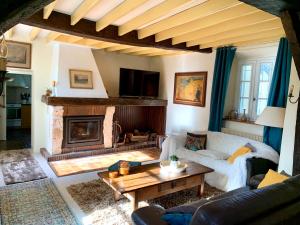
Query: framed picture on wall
x=19 y=55
x=190 y=88
x=82 y=79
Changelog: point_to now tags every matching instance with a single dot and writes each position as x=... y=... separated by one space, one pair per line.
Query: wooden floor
x=93 y=163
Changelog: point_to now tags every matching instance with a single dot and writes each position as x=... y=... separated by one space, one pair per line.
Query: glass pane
x=246 y=73
x=261 y=105
x=263 y=91
x=245 y=89
x=244 y=104
x=265 y=71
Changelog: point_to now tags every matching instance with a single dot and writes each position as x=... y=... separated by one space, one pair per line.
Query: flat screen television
x=138 y=83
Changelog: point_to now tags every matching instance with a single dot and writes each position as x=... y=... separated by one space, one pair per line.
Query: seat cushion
x=214 y=154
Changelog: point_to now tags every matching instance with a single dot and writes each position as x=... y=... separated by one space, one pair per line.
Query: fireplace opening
x=83 y=131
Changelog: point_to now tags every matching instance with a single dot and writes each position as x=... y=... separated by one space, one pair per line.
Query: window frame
x=254 y=84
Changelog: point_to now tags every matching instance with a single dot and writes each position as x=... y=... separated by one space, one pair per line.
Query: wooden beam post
x=60 y=22
x=15 y=11
x=291 y=24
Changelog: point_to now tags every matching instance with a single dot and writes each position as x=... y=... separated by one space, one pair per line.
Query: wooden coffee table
x=147 y=182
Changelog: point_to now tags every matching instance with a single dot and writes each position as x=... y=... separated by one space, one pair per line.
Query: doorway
x=18 y=112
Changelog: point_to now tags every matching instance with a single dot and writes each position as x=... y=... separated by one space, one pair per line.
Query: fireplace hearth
x=83 y=131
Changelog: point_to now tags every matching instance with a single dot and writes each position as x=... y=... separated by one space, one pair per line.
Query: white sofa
x=219 y=147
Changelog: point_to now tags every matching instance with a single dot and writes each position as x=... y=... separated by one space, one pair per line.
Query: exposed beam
x=13 y=12
x=34 y=33
x=228 y=25
x=82 y=10
x=60 y=23
x=10 y=33
x=116 y=13
x=48 y=9
x=230 y=41
x=67 y=38
x=150 y=15
x=186 y=16
x=274 y=7
x=247 y=30
x=86 y=42
x=291 y=24
x=213 y=19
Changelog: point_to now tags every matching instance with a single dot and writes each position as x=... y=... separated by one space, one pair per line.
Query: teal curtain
x=223 y=63
x=279 y=91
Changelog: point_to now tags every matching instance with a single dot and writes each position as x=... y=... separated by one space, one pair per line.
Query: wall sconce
x=290 y=96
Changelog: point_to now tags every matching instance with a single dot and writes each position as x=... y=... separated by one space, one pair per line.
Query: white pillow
x=213 y=154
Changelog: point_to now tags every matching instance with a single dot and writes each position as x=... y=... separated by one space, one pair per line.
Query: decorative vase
x=173 y=164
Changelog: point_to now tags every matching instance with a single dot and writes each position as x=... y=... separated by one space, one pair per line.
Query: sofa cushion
x=214 y=154
x=272 y=177
x=248 y=205
x=177 y=218
x=195 y=142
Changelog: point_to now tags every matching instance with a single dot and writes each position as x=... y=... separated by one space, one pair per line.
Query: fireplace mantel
x=65 y=101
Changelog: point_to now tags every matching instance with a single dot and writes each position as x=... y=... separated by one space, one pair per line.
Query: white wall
x=109 y=64
x=288 y=136
x=81 y=58
x=181 y=118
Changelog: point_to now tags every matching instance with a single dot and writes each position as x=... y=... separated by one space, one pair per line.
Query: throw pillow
x=241 y=151
x=195 y=142
x=177 y=218
x=272 y=177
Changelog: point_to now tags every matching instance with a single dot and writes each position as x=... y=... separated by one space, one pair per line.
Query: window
x=254 y=84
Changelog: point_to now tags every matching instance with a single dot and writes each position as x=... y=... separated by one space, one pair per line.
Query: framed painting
x=82 y=79
x=19 y=55
x=190 y=88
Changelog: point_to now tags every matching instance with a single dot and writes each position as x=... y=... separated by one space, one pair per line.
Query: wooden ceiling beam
x=230 y=41
x=86 y=42
x=133 y=49
x=34 y=33
x=60 y=23
x=82 y=10
x=103 y=45
x=213 y=19
x=48 y=9
x=258 y=41
x=291 y=24
x=247 y=30
x=13 y=12
x=116 y=13
x=150 y=15
x=228 y=25
x=186 y=16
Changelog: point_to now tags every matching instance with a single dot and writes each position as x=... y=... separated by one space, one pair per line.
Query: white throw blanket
x=226 y=176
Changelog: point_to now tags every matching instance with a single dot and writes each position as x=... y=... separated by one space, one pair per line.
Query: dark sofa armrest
x=150 y=215
x=257 y=166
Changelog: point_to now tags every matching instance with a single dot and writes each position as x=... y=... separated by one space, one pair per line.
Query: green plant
x=173 y=158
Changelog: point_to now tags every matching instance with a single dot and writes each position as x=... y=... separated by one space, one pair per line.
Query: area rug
x=9 y=156
x=34 y=203
x=95 y=199
x=23 y=171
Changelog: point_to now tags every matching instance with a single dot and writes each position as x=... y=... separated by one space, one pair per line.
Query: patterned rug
x=14 y=155
x=34 y=203
x=95 y=199
x=23 y=171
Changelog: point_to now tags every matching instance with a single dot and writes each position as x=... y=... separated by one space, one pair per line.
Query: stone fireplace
x=85 y=126
x=82 y=131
